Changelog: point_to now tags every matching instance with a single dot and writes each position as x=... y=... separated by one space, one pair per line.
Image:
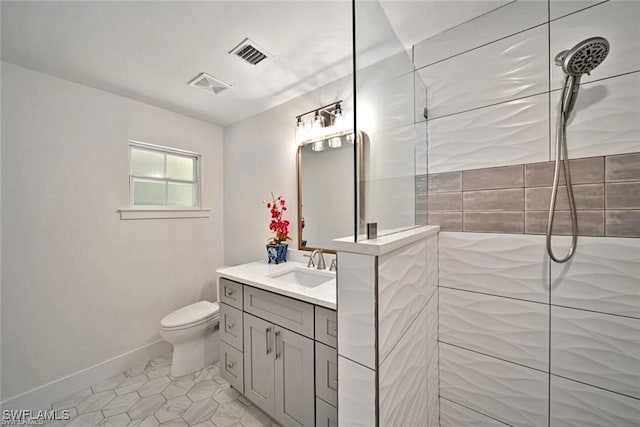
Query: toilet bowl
x=193 y=331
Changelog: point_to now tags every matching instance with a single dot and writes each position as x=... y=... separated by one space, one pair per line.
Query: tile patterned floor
x=147 y=396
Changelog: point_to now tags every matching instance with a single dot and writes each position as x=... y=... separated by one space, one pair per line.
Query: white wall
x=79 y=285
x=262 y=150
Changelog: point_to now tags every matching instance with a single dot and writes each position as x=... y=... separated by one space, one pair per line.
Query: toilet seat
x=191 y=315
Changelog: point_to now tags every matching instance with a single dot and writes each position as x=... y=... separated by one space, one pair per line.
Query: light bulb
x=335 y=142
x=301 y=130
x=318 y=146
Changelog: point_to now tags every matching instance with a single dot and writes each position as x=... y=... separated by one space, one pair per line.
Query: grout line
x=594 y=386
x=492 y=295
x=493 y=357
x=474 y=410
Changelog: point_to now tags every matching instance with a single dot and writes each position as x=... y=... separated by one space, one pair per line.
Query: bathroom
x=455 y=104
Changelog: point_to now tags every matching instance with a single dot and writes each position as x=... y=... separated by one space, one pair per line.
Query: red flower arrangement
x=279 y=226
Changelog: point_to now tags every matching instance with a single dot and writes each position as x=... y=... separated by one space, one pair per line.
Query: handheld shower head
x=577 y=61
x=583 y=57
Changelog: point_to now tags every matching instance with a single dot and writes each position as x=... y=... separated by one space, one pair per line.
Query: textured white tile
x=579 y=405
x=109 y=383
x=432 y=329
x=90 y=419
x=604 y=275
x=415 y=409
x=559 y=8
x=505 y=134
x=606 y=118
x=454 y=415
x=617 y=21
x=178 y=387
x=501 y=22
x=433 y=394
x=403 y=375
x=501 y=264
x=356 y=307
x=514 y=330
x=402 y=293
x=598 y=349
x=356 y=394
x=203 y=389
x=392 y=152
x=73 y=400
x=511 y=68
x=511 y=393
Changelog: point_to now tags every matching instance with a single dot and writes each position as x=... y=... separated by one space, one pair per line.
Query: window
x=163 y=178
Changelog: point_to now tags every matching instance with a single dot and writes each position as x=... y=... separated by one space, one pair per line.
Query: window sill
x=159 y=213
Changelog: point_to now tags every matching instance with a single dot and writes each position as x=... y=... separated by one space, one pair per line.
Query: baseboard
x=43 y=396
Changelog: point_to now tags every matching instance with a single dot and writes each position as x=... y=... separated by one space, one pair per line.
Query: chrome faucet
x=320 y=264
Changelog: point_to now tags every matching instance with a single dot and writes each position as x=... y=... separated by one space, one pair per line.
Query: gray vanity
x=279 y=351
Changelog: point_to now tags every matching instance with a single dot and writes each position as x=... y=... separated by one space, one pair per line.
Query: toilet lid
x=192 y=313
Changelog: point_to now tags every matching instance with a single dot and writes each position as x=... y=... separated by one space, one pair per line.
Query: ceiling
x=150 y=50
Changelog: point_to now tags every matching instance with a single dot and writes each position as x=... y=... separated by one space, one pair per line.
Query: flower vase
x=277 y=253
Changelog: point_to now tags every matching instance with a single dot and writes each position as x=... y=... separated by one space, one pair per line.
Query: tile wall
x=388 y=336
x=524 y=341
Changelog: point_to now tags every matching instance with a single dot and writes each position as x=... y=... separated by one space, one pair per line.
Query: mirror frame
x=359 y=165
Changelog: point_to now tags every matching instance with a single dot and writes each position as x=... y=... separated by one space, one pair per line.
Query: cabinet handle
x=266 y=338
x=229 y=325
x=228 y=292
x=278 y=335
x=229 y=365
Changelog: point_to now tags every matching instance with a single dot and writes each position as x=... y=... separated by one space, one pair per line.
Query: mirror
x=326 y=190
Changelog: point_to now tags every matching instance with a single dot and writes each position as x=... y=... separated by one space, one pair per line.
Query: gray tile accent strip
x=448 y=221
x=515 y=199
x=445 y=201
x=623 y=223
x=494 y=222
x=493 y=178
x=624 y=167
x=583 y=171
x=587 y=196
x=623 y=195
x=590 y=223
x=448 y=181
x=494 y=200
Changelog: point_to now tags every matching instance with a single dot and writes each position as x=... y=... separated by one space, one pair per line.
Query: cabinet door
x=258 y=363
x=231 y=326
x=294 y=368
x=327 y=373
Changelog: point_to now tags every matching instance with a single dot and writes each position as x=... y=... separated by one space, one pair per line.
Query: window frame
x=197 y=172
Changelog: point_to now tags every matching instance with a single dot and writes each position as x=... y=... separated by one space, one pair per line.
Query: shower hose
x=563 y=157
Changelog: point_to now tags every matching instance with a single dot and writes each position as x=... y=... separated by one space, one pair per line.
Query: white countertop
x=256 y=274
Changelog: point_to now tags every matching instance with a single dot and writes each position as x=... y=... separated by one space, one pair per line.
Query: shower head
x=583 y=57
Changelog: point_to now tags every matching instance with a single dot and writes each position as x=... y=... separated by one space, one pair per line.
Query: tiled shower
x=524 y=341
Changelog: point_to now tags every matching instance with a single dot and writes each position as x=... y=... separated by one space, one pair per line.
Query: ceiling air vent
x=209 y=84
x=250 y=52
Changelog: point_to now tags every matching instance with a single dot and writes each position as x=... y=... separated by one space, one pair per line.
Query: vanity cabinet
x=280 y=353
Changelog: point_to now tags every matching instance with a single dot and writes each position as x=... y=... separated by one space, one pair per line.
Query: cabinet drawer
x=326 y=326
x=231 y=326
x=327 y=373
x=231 y=366
x=287 y=312
x=326 y=415
x=230 y=293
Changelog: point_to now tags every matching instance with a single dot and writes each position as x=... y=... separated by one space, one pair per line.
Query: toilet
x=194 y=332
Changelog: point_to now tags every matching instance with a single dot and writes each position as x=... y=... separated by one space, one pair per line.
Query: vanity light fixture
x=328 y=123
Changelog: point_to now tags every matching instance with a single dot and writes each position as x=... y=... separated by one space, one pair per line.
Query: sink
x=303 y=277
